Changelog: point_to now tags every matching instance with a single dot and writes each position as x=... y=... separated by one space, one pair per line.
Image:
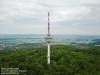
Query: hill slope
x=65 y=60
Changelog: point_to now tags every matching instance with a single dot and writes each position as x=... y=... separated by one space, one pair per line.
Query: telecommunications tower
x=48 y=39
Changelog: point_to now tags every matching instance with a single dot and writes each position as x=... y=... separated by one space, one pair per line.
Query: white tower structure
x=48 y=39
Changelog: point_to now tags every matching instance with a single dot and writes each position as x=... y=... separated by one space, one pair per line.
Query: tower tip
x=48 y=13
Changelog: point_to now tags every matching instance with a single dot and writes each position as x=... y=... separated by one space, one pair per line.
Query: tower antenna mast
x=48 y=39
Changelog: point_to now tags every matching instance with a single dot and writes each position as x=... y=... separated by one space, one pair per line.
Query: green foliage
x=65 y=60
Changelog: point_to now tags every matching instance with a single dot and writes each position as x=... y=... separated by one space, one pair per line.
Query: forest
x=65 y=60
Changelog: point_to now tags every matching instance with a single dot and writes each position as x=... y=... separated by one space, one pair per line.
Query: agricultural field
x=15 y=41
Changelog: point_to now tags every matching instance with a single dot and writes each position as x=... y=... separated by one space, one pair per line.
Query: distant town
x=15 y=42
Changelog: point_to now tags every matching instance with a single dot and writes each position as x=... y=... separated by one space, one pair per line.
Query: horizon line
x=54 y=34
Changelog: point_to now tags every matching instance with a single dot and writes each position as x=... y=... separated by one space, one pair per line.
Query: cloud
x=66 y=17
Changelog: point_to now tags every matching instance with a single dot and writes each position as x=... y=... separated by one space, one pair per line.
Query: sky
x=81 y=17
